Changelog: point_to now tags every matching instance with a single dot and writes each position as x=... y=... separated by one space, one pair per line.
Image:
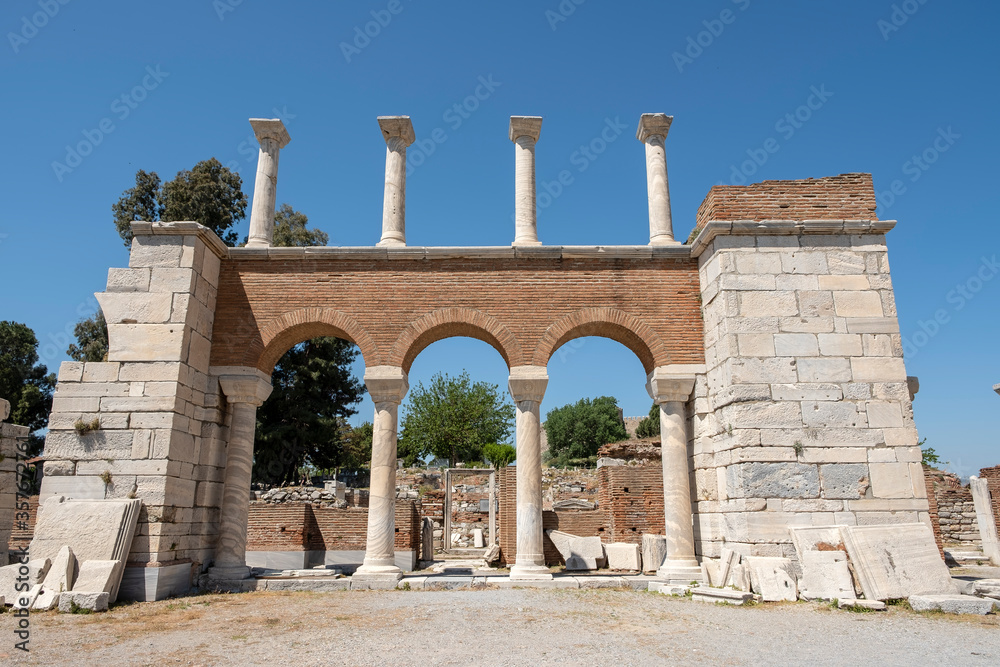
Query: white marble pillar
x=670 y=387
x=527 y=387
x=524 y=132
x=653 y=128
x=244 y=393
x=273 y=136
x=398 y=134
x=387 y=386
x=982 y=499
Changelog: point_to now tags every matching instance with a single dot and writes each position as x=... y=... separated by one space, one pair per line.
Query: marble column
x=527 y=386
x=653 y=128
x=398 y=134
x=524 y=132
x=273 y=136
x=244 y=393
x=387 y=386
x=670 y=387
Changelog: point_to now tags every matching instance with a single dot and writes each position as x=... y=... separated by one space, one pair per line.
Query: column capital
x=653 y=124
x=270 y=128
x=251 y=387
x=386 y=384
x=397 y=126
x=525 y=126
x=672 y=382
x=528 y=383
x=4 y=410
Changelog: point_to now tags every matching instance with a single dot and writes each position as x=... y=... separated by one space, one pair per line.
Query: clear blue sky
x=891 y=88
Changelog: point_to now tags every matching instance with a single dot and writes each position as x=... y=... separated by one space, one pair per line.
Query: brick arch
x=611 y=323
x=293 y=327
x=450 y=322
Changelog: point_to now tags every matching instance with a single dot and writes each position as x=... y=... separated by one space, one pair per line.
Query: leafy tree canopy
x=500 y=456
x=575 y=431
x=454 y=418
x=649 y=427
x=24 y=383
x=290 y=229
x=91 y=339
x=208 y=194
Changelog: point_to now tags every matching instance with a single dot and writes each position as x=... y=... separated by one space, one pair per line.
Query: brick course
x=302 y=527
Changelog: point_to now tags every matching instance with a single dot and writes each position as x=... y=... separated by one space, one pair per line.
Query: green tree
x=499 y=455
x=26 y=384
x=357 y=447
x=649 y=427
x=91 y=339
x=454 y=418
x=929 y=457
x=290 y=229
x=208 y=194
x=575 y=431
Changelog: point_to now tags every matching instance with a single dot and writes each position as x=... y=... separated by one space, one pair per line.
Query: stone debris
x=953 y=604
x=874 y=605
x=624 y=557
x=580 y=553
x=816 y=538
x=897 y=561
x=58 y=579
x=26 y=599
x=825 y=576
x=727 y=595
x=477 y=538
x=739 y=578
x=97 y=575
x=654 y=550
x=73 y=600
x=772 y=578
x=492 y=555
x=37 y=569
x=989 y=588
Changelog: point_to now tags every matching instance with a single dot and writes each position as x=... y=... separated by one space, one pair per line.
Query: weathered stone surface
x=772 y=578
x=897 y=561
x=816 y=538
x=654 y=550
x=91 y=601
x=97 y=575
x=623 y=556
x=953 y=604
x=845 y=603
x=729 y=596
x=580 y=553
x=739 y=578
x=47 y=599
x=26 y=599
x=573 y=504
x=59 y=578
x=825 y=576
x=37 y=569
x=844 y=481
x=772 y=480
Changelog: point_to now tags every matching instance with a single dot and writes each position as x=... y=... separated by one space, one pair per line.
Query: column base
x=228 y=572
x=663 y=240
x=376 y=577
x=680 y=571
x=257 y=243
x=530 y=244
x=529 y=573
x=397 y=243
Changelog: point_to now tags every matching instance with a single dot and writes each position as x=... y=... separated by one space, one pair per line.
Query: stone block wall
x=162 y=423
x=952 y=509
x=992 y=477
x=804 y=416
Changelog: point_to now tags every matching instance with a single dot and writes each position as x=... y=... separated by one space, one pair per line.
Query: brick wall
x=844 y=197
x=953 y=512
x=992 y=477
x=933 y=510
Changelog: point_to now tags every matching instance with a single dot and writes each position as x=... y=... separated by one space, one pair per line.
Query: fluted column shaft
x=273 y=136
x=527 y=387
x=398 y=134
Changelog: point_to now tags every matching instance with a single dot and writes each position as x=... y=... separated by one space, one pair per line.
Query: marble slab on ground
x=825 y=576
x=897 y=561
x=62 y=572
x=624 y=556
x=37 y=569
x=654 y=550
x=727 y=595
x=739 y=577
x=772 y=578
x=580 y=553
x=73 y=600
x=816 y=538
x=97 y=576
x=25 y=599
x=953 y=604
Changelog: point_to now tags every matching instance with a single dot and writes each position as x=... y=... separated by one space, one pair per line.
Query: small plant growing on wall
x=106 y=477
x=83 y=427
x=798 y=447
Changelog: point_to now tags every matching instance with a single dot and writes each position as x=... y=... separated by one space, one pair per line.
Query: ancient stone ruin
x=770 y=343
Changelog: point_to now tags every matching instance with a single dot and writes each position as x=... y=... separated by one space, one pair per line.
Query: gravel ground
x=496 y=627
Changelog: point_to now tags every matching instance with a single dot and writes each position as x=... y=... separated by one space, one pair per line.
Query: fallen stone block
x=25 y=599
x=654 y=550
x=580 y=553
x=674 y=590
x=47 y=600
x=624 y=556
x=73 y=601
x=727 y=595
x=953 y=604
x=825 y=576
x=816 y=538
x=772 y=578
x=739 y=578
x=37 y=569
x=989 y=588
x=96 y=575
x=62 y=572
x=874 y=605
x=897 y=561
x=711 y=570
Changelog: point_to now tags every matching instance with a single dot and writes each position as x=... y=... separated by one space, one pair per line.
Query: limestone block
x=873 y=325
x=820 y=391
x=804 y=262
x=815 y=304
x=26 y=599
x=824 y=369
x=756 y=344
x=157 y=371
x=62 y=572
x=739 y=578
x=70 y=371
x=768 y=304
x=772 y=480
x=982 y=501
x=91 y=601
x=828 y=413
x=146 y=342
x=953 y=604
x=816 y=538
x=623 y=556
x=97 y=445
x=884 y=414
x=128 y=280
x=858 y=304
x=36 y=571
x=48 y=599
x=713 y=595
x=654 y=551
x=98 y=575
x=772 y=578
x=815 y=325
x=773 y=527
x=796 y=345
x=711 y=571
x=76 y=487
x=840 y=345
x=135 y=307
x=844 y=480
x=891 y=480
x=844 y=283
x=851 y=602
x=825 y=576
x=878 y=369
x=761 y=371
x=897 y=561
x=763 y=414
x=152 y=250
x=56 y=468
x=845 y=262
x=882 y=455
x=746 y=282
x=757 y=262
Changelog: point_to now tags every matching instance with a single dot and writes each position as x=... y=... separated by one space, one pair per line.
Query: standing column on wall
x=387 y=386
x=273 y=136
x=524 y=132
x=527 y=386
x=653 y=128
x=398 y=134
x=245 y=393
x=670 y=387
